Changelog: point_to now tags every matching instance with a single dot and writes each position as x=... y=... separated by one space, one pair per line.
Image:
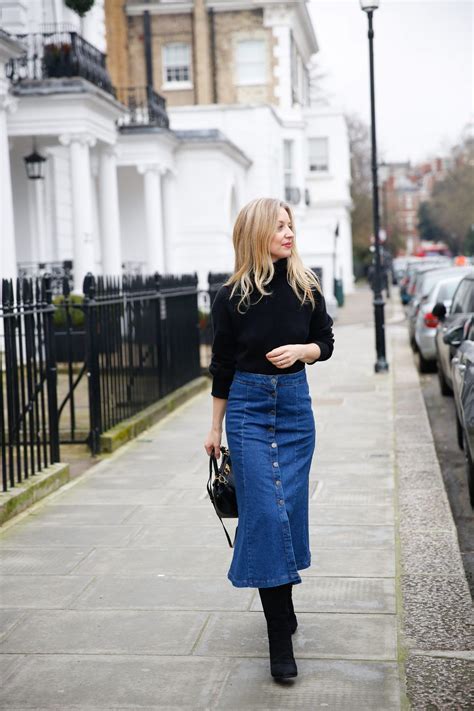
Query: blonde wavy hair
x=254 y=229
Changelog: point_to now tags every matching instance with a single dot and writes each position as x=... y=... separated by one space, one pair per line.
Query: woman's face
x=282 y=241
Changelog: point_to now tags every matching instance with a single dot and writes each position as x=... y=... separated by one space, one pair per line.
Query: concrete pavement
x=114 y=592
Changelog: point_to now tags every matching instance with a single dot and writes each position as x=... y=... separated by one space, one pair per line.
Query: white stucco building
x=130 y=185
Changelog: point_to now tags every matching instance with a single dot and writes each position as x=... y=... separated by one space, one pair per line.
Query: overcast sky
x=424 y=69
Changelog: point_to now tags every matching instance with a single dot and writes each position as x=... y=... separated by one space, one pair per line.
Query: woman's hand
x=285 y=356
x=213 y=442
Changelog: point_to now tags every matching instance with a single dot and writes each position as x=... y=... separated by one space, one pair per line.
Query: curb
x=127 y=430
x=32 y=490
x=435 y=601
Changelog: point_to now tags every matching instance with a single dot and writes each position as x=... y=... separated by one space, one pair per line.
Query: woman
x=269 y=319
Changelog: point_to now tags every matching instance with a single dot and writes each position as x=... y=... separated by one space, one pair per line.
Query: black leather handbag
x=221 y=488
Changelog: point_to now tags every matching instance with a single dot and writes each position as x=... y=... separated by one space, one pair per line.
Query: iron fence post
x=92 y=361
x=51 y=370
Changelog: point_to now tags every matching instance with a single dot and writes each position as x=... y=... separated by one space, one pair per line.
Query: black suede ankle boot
x=293 y=622
x=275 y=607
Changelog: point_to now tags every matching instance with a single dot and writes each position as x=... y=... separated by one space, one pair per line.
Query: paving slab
x=351 y=537
x=320 y=635
x=333 y=495
x=185 y=536
x=338 y=685
x=142 y=561
x=105 y=632
x=162 y=592
x=51 y=561
x=114 y=682
x=326 y=514
x=342 y=595
x=46 y=534
x=173 y=516
x=41 y=591
x=83 y=513
x=8 y=620
x=351 y=562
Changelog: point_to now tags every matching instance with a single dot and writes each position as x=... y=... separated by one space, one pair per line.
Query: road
x=441 y=414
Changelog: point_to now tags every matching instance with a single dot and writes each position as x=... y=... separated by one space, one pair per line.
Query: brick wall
x=116 y=36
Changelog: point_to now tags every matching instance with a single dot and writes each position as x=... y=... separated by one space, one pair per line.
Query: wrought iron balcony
x=145 y=107
x=59 y=54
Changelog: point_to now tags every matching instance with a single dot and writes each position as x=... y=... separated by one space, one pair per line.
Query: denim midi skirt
x=271 y=436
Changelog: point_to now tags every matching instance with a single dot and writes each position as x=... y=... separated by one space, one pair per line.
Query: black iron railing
x=72 y=366
x=59 y=54
x=142 y=342
x=145 y=107
x=28 y=407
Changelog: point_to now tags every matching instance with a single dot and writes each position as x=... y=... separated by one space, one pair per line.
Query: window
x=251 y=62
x=319 y=154
x=288 y=163
x=462 y=299
x=292 y=194
x=177 y=63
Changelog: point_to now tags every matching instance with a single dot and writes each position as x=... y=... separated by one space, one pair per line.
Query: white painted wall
x=132 y=214
x=256 y=130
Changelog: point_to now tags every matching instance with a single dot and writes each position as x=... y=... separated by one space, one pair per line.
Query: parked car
x=450 y=329
x=462 y=376
x=425 y=322
x=407 y=283
x=424 y=281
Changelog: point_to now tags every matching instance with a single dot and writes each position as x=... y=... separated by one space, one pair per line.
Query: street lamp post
x=381 y=365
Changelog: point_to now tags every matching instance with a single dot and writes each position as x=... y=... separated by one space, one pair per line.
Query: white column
x=8 y=268
x=40 y=230
x=109 y=213
x=82 y=227
x=170 y=207
x=153 y=217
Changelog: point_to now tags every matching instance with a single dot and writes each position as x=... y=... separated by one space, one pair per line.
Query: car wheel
x=469 y=471
x=459 y=433
x=443 y=385
x=424 y=366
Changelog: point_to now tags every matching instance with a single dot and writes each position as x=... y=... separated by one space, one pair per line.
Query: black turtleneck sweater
x=241 y=340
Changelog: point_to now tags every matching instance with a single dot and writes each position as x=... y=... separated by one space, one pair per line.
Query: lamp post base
x=381 y=366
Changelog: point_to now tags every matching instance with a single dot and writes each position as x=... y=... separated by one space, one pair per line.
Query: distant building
x=403 y=188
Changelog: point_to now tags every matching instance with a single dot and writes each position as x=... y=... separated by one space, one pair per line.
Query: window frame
x=239 y=81
x=318 y=171
x=176 y=84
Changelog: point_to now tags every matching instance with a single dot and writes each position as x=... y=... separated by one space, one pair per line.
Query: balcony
x=145 y=107
x=59 y=54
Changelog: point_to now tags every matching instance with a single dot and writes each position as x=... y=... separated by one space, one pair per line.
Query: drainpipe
x=148 y=52
x=212 y=30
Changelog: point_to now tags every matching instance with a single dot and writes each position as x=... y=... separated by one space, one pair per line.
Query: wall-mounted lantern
x=34 y=164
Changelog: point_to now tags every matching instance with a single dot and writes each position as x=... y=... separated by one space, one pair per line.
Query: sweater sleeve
x=222 y=366
x=320 y=329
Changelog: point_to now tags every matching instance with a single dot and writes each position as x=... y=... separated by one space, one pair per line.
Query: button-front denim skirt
x=271 y=437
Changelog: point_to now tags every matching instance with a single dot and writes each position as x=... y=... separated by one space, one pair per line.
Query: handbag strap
x=213 y=465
